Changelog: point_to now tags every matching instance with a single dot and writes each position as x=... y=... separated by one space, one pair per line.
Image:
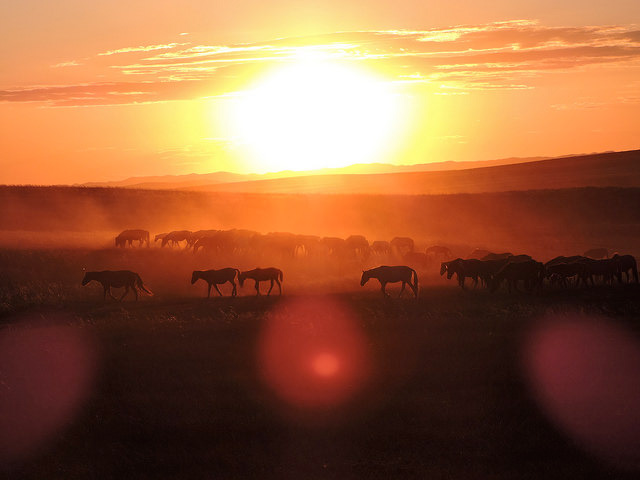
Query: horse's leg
x=111 y=294
x=257 y=287
x=126 y=290
x=402 y=289
x=279 y=286
x=217 y=289
x=209 y=291
x=135 y=291
x=382 y=287
x=270 y=288
x=414 y=288
x=104 y=294
x=234 y=292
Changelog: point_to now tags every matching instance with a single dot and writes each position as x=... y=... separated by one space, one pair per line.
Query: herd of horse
x=485 y=268
x=492 y=270
x=277 y=244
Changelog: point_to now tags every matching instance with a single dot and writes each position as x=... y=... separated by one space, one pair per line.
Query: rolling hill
x=614 y=169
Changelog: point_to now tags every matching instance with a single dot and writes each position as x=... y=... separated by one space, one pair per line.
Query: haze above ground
x=108 y=90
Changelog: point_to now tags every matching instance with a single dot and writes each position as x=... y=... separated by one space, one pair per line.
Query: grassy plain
x=177 y=390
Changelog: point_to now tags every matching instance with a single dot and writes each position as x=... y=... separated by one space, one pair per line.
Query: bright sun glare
x=316 y=114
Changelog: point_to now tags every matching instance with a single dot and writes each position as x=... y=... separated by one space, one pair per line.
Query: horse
x=118 y=279
x=561 y=272
x=606 y=268
x=381 y=247
x=129 y=236
x=215 y=278
x=627 y=264
x=462 y=268
x=402 y=245
x=530 y=272
x=262 y=275
x=358 y=246
x=439 y=251
x=385 y=274
x=176 y=237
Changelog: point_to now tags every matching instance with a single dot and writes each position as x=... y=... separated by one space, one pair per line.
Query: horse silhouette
x=462 y=268
x=270 y=274
x=607 y=269
x=358 y=246
x=530 y=272
x=127 y=237
x=386 y=274
x=118 y=279
x=215 y=278
x=627 y=265
x=177 y=236
x=402 y=245
x=439 y=251
x=381 y=247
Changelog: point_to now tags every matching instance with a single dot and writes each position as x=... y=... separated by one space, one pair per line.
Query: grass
x=177 y=391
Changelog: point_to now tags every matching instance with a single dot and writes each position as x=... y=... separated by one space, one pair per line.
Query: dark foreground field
x=452 y=385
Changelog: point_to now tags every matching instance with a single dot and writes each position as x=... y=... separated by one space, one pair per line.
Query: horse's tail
x=415 y=281
x=140 y=286
x=280 y=274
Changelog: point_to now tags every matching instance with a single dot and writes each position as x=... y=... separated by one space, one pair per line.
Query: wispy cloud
x=141 y=48
x=460 y=60
x=72 y=63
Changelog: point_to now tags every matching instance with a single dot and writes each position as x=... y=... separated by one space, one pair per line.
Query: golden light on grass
x=314 y=114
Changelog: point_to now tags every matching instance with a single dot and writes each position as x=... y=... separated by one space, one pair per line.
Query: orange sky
x=94 y=91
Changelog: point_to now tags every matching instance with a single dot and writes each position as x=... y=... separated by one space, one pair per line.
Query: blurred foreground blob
x=313 y=354
x=45 y=375
x=585 y=375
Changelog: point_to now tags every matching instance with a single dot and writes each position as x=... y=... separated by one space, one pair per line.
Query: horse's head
x=87 y=278
x=241 y=277
x=366 y=275
x=443 y=267
x=195 y=276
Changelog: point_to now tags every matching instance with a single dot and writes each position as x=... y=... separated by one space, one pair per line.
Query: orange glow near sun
x=316 y=114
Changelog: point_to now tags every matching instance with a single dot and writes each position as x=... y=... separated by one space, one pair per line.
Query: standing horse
x=262 y=275
x=386 y=274
x=215 y=278
x=118 y=279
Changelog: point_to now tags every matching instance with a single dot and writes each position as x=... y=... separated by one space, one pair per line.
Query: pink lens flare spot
x=312 y=354
x=326 y=364
x=46 y=374
x=584 y=372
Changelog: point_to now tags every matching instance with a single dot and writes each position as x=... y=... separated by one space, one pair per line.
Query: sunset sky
x=104 y=90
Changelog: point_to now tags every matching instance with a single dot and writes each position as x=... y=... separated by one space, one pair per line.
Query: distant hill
x=207 y=179
x=614 y=169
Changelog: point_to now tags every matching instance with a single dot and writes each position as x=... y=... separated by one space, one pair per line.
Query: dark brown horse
x=118 y=279
x=385 y=274
x=215 y=278
x=262 y=275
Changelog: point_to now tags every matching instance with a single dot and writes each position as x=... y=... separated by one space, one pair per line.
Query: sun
x=316 y=114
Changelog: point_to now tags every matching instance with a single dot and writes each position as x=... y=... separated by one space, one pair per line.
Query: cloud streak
x=457 y=60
